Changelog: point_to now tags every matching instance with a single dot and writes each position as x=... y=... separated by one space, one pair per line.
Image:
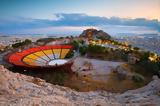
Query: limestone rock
x=122 y=73
x=20 y=90
x=93 y=33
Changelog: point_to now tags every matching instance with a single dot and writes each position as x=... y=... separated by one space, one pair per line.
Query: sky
x=71 y=16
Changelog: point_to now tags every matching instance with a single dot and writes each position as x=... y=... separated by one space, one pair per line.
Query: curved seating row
x=39 y=56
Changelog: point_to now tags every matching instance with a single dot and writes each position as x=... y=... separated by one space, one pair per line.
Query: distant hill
x=95 y=34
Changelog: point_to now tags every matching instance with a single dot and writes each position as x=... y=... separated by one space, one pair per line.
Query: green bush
x=144 y=56
x=82 y=50
x=150 y=67
x=137 y=78
x=70 y=54
x=75 y=45
x=27 y=41
x=19 y=44
x=45 y=40
x=136 y=48
x=56 y=77
x=95 y=49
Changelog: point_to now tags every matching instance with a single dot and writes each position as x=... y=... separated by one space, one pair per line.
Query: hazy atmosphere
x=72 y=16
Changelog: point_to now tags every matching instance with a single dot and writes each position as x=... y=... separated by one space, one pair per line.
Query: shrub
x=136 y=48
x=144 y=56
x=75 y=44
x=27 y=41
x=82 y=50
x=45 y=40
x=70 y=54
x=19 y=44
x=137 y=78
x=95 y=49
x=55 y=76
x=150 y=67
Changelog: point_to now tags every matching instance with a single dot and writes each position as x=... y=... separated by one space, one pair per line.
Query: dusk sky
x=44 y=16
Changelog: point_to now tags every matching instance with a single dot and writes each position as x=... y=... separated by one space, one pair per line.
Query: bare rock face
x=93 y=33
x=21 y=90
x=146 y=95
x=122 y=73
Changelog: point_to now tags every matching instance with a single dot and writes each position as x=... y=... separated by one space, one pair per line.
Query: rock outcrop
x=93 y=33
x=21 y=90
x=147 y=95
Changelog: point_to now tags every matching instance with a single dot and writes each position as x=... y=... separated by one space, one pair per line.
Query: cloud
x=85 y=20
x=58 y=30
x=71 y=20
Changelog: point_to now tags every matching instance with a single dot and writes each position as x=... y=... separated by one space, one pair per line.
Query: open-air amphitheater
x=43 y=56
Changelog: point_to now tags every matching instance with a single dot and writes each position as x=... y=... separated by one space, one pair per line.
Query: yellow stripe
x=40 y=53
x=48 y=52
x=64 y=53
x=57 y=52
x=29 y=61
x=32 y=56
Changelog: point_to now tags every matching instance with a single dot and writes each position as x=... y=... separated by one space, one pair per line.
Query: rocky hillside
x=93 y=33
x=20 y=90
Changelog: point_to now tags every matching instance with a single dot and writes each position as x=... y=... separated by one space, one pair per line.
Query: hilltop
x=95 y=34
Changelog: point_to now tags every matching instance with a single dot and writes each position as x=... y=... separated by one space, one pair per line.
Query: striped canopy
x=40 y=56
